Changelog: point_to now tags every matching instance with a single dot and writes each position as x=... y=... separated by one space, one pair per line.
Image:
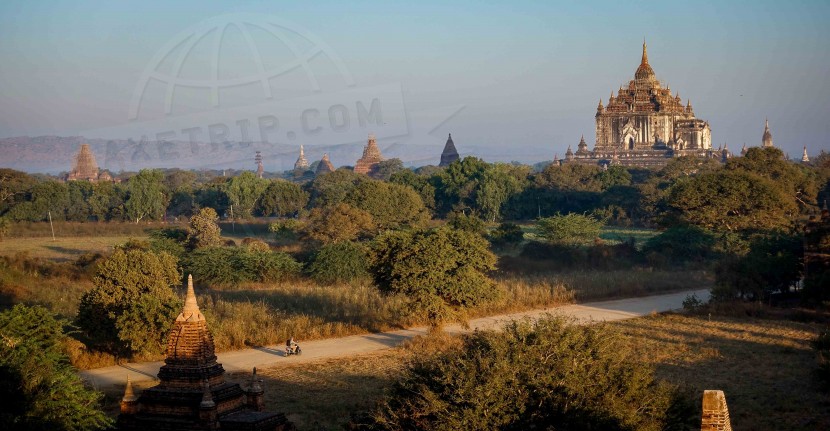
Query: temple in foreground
x=644 y=125
x=192 y=393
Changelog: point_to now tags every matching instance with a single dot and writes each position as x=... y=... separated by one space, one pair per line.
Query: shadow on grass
x=764 y=367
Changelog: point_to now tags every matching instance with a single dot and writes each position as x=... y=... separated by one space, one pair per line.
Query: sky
x=518 y=78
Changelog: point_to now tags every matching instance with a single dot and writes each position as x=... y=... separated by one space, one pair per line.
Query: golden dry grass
x=62 y=248
x=764 y=366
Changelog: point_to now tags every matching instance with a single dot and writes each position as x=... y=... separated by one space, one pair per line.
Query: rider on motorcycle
x=291 y=345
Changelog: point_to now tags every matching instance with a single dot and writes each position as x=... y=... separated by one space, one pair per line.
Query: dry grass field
x=764 y=365
x=62 y=248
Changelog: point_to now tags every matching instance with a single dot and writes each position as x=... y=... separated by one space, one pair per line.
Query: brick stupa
x=371 y=157
x=324 y=166
x=450 y=154
x=192 y=393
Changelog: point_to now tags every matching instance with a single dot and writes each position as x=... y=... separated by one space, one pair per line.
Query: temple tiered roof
x=371 y=157
x=192 y=393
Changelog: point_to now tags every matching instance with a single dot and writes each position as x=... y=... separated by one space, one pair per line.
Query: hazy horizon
x=499 y=77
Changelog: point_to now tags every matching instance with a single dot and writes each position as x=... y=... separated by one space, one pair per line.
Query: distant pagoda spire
x=743 y=149
x=804 y=157
x=766 y=140
x=450 y=154
x=324 y=166
x=259 y=168
x=84 y=166
x=582 y=147
x=301 y=162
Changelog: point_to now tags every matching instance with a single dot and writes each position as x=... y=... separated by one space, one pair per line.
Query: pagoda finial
x=191 y=311
x=645 y=53
x=129 y=395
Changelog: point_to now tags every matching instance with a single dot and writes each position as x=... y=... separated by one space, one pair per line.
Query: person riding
x=291 y=345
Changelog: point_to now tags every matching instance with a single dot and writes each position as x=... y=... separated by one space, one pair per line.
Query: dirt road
x=269 y=356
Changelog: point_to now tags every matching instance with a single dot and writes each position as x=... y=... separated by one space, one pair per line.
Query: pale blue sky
x=527 y=73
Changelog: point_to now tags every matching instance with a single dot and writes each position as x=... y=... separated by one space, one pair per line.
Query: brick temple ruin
x=371 y=157
x=192 y=393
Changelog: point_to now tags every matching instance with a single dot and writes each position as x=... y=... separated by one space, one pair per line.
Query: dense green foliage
x=132 y=304
x=39 y=389
x=340 y=262
x=442 y=270
x=146 y=197
x=233 y=265
x=340 y=222
x=569 y=229
x=243 y=191
x=545 y=375
x=204 y=229
x=282 y=199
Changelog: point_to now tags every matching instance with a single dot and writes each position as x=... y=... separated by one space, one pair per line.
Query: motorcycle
x=295 y=351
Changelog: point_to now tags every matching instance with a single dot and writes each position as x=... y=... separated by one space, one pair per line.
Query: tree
x=456 y=185
x=332 y=188
x=244 y=190
x=78 y=208
x=498 y=184
x=385 y=169
x=419 y=183
x=551 y=374
x=731 y=200
x=146 y=195
x=39 y=389
x=569 y=229
x=340 y=262
x=341 y=222
x=442 y=271
x=795 y=181
x=132 y=304
x=391 y=206
x=772 y=264
x=14 y=185
x=282 y=199
x=204 y=229
x=107 y=201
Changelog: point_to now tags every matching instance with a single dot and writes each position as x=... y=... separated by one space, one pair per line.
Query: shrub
x=570 y=229
x=470 y=223
x=132 y=304
x=225 y=265
x=544 y=375
x=680 y=244
x=253 y=244
x=442 y=271
x=204 y=230
x=506 y=235
x=339 y=262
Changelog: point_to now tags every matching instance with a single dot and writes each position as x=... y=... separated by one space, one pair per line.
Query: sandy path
x=270 y=356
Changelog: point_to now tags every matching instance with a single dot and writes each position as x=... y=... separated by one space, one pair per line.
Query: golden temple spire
x=645 y=53
x=191 y=311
